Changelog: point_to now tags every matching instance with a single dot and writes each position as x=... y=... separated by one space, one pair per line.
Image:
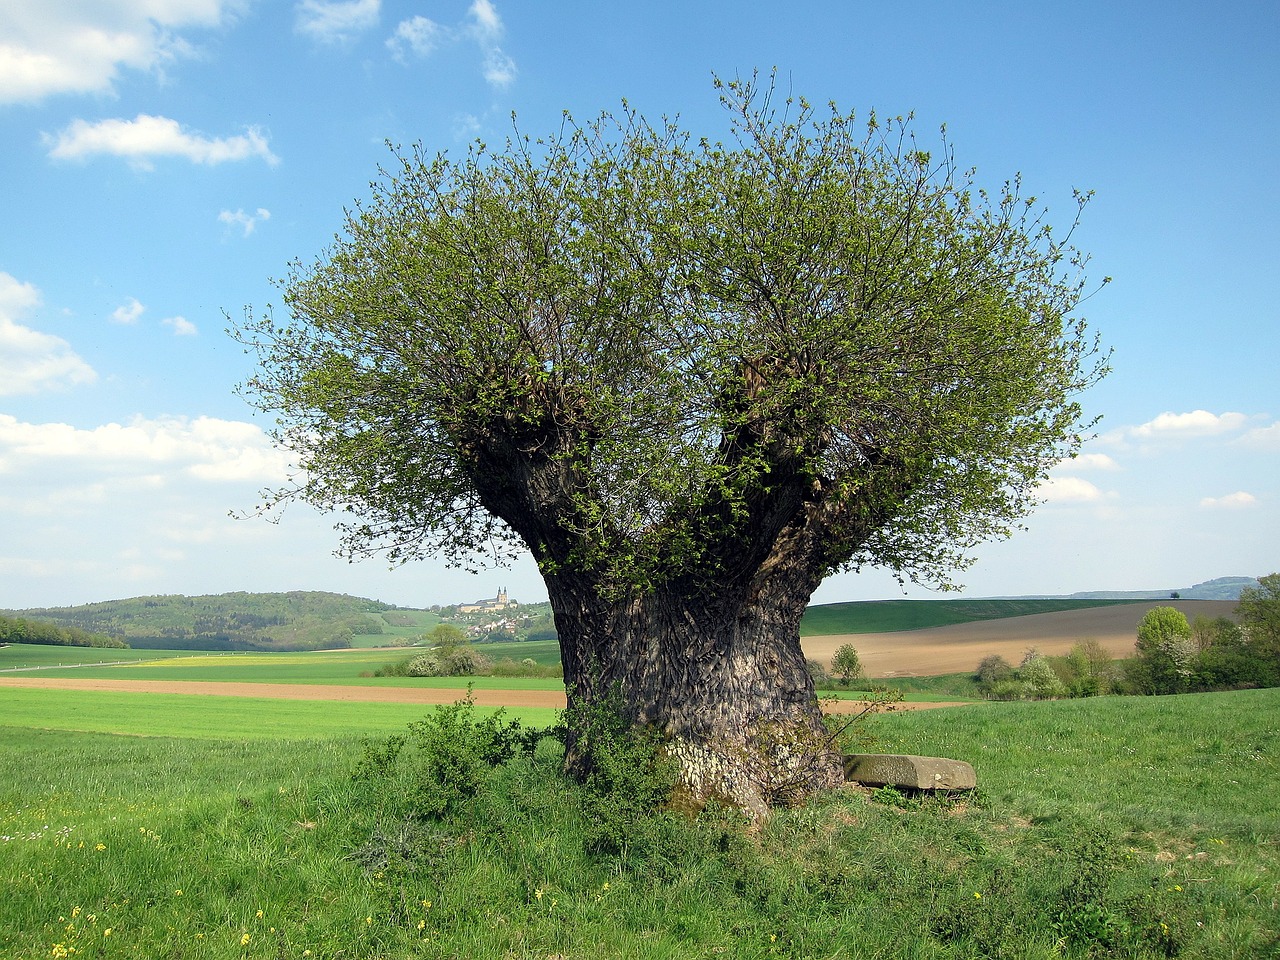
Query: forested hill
x=301 y=620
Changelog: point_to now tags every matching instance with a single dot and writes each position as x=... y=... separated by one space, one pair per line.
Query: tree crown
x=661 y=357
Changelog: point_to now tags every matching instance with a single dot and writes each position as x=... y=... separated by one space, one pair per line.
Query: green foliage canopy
x=815 y=326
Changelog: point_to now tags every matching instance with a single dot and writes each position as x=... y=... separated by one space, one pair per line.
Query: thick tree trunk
x=721 y=675
x=710 y=657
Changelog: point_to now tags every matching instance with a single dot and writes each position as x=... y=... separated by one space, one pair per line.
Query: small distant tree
x=993 y=670
x=1088 y=669
x=846 y=664
x=1038 y=679
x=1165 y=652
x=1220 y=632
x=446 y=638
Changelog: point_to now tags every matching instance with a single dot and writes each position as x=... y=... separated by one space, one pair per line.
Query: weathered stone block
x=916 y=773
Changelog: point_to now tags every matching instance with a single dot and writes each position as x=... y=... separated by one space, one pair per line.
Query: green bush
x=440 y=763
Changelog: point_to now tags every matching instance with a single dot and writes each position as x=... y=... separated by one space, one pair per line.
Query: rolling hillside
x=301 y=620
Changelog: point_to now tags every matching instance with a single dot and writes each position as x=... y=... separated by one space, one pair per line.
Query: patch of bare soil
x=958 y=648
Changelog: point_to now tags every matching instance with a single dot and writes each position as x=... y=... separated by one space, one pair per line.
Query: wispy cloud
x=419 y=36
x=68 y=47
x=128 y=312
x=33 y=361
x=1263 y=438
x=146 y=138
x=1232 y=501
x=487 y=28
x=336 y=21
x=182 y=327
x=246 y=221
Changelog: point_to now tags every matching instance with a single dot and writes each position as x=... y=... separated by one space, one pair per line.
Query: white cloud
x=1088 y=462
x=146 y=137
x=499 y=69
x=1232 y=501
x=1069 y=490
x=32 y=361
x=1263 y=438
x=1198 y=423
x=486 y=26
x=336 y=21
x=128 y=312
x=69 y=46
x=419 y=36
x=182 y=327
x=16 y=297
x=154 y=452
x=246 y=221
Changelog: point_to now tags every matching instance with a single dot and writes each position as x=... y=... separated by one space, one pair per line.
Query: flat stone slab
x=915 y=773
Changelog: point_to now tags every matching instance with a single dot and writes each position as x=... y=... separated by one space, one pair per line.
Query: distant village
x=497 y=615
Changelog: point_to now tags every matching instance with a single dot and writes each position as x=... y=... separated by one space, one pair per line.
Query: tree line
x=1171 y=655
x=21 y=630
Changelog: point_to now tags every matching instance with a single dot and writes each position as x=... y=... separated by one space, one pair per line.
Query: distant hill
x=300 y=620
x=1221 y=588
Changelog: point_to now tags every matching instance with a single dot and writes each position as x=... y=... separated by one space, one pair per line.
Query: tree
x=846 y=664
x=692 y=379
x=446 y=637
x=1258 y=611
x=1038 y=679
x=991 y=670
x=1165 y=652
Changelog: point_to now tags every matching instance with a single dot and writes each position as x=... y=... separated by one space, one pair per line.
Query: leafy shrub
x=441 y=762
x=626 y=780
x=427 y=665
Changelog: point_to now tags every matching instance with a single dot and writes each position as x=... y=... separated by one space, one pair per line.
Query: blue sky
x=162 y=160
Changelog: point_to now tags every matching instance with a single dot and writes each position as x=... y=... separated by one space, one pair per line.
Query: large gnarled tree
x=693 y=379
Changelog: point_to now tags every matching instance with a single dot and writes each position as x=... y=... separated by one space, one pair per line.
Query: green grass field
x=145 y=825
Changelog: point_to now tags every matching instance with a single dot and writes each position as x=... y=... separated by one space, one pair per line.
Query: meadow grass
x=1102 y=828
